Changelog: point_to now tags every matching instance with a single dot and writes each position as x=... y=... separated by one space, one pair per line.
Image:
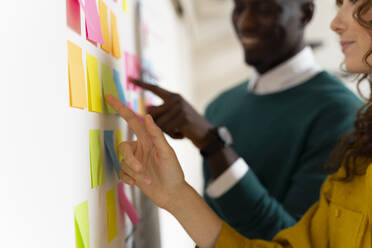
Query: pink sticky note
x=93 y=24
x=73 y=15
x=132 y=68
x=86 y=30
x=126 y=206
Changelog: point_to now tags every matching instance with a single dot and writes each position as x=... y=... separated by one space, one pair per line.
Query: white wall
x=43 y=146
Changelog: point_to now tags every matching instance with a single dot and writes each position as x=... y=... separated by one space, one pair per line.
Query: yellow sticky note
x=78 y=95
x=108 y=86
x=103 y=16
x=112 y=226
x=81 y=216
x=125 y=6
x=116 y=51
x=118 y=140
x=94 y=86
x=142 y=106
x=97 y=174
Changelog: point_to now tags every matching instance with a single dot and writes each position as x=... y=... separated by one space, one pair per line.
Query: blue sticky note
x=135 y=105
x=119 y=87
x=110 y=150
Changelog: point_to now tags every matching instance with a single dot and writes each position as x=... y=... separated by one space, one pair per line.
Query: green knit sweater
x=285 y=138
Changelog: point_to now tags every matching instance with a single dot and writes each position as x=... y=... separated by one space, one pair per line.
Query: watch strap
x=214 y=144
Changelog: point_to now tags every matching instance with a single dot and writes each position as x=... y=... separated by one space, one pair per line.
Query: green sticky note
x=81 y=215
x=112 y=226
x=108 y=85
x=97 y=174
x=94 y=86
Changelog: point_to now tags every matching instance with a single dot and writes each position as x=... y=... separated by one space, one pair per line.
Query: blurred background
x=210 y=60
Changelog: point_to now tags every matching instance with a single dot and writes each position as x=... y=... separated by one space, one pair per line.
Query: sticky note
x=103 y=16
x=78 y=97
x=86 y=32
x=94 y=85
x=125 y=6
x=119 y=87
x=132 y=68
x=142 y=105
x=118 y=141
x=97 y=174
x=93 y=24
x=81 y=216
x=136 y=106
x=108 y=85
x=116 y=51
x=126 y=206
x=112 y=226
x=111 y=151
x=73 y=15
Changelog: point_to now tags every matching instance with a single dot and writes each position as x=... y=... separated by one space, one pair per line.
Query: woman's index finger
x=129 y=116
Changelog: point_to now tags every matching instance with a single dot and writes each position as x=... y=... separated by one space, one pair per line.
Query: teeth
x=249 y=40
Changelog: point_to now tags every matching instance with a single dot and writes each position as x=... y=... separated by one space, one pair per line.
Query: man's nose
x=247 y=20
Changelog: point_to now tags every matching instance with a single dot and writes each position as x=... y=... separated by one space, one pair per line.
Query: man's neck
x=265 y=67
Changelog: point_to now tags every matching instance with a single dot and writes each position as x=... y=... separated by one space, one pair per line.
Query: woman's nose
x=338 y=24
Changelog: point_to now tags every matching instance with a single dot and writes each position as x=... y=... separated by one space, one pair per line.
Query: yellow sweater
x=341 y=219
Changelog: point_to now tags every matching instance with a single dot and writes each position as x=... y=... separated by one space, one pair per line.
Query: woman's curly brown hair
x=354 y=152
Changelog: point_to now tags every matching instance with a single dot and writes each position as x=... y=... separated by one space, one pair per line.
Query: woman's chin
x=357 y=66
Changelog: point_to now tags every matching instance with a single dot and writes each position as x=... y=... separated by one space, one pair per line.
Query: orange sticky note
x=116 y=51
x=105 y=27
x=94 y=86
x=78 y=94
x=112 y=226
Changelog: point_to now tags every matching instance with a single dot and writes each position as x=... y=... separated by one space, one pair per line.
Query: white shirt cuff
x=228 y=179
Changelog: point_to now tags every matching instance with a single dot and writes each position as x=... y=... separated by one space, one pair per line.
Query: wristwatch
x=218 y=138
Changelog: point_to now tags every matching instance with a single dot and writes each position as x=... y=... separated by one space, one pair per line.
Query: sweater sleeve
x=258 y=215
x=311 y=231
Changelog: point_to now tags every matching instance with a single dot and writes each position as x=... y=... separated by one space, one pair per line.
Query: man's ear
x=308 y=9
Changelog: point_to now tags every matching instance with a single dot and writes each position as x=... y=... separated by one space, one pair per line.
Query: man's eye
x=238 y=8
x=265 y=8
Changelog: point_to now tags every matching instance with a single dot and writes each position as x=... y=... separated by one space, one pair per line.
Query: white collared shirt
x=289 y=74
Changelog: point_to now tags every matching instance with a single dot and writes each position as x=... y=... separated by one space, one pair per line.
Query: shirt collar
x=290 y=73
